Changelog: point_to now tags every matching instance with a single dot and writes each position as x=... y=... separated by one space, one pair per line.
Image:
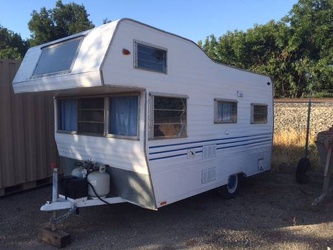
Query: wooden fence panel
x=26 y=134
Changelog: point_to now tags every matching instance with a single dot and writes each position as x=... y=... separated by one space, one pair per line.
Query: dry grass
x=289 y=148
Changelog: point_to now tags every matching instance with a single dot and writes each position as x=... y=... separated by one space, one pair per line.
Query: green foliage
x=46 y=25
x=12 y=46
x=62 y=21
x=300 y=43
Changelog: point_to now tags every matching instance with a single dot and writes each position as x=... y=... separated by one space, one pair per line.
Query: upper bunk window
x=150 y=57
x=57 y=57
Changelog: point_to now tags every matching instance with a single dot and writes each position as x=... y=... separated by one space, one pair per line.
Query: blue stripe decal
x=246 y=144
x=211 y=140
x=173 y=150
x=165 y=157
x=241 y=141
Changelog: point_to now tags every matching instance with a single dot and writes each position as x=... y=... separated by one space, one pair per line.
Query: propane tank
x=100 y=180
x=80 y=172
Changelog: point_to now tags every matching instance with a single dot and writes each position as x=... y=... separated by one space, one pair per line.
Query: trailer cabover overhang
x=71 y=62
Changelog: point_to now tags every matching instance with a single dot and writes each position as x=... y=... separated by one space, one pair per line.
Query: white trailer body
x=168 y=121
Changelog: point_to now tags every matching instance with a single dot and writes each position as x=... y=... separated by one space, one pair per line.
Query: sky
x=192 y=19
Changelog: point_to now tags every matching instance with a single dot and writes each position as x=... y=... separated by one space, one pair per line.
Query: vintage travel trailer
x=162 y=119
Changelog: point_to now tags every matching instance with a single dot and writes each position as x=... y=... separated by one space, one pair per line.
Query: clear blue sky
x=192 y=19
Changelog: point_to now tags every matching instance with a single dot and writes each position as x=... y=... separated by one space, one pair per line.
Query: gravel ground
x=272 y=211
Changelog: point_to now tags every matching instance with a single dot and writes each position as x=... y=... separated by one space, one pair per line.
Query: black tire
x=230 y=190
x=303 y=165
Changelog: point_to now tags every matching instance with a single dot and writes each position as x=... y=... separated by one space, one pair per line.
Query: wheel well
x=241 y=175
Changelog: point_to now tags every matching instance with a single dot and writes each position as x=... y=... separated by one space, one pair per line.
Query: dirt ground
x=272 y=211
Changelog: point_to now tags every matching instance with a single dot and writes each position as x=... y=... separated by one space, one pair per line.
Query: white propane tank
x=80 y=172
x=100 y=180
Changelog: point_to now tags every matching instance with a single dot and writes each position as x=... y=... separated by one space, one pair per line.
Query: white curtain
x=68 y=115
x=124 y=115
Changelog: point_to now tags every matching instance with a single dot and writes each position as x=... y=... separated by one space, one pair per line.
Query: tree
x=260 y=49
x=300 y=43
x=210 y=47
x=62 y=21
x=266 y=54
x=311 y=41
x=12 y=46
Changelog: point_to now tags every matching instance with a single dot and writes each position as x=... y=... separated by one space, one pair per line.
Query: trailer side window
x=225 y=111
x=150 y=57
x=258 y=113
x=123 y=119
x=169 y=117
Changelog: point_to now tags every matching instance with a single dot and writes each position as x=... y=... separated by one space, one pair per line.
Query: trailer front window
x=111 y=116
x=123 y=118
x=67 y=115
x=169 y=117
x=90 y=114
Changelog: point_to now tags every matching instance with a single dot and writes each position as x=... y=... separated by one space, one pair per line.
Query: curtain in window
x=124 y=115
x=67 y=115
x=226 y=111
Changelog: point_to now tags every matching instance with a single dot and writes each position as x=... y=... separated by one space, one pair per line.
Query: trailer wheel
x=230 y=190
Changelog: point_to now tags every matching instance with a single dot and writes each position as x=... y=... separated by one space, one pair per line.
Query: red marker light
x=126 y=52
x=163 y=203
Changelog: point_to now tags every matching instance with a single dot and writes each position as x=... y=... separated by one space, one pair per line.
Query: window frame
x=217 y=101
x=150 y=46
x=253 y=114
x=151 y=119
x=106 y=111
